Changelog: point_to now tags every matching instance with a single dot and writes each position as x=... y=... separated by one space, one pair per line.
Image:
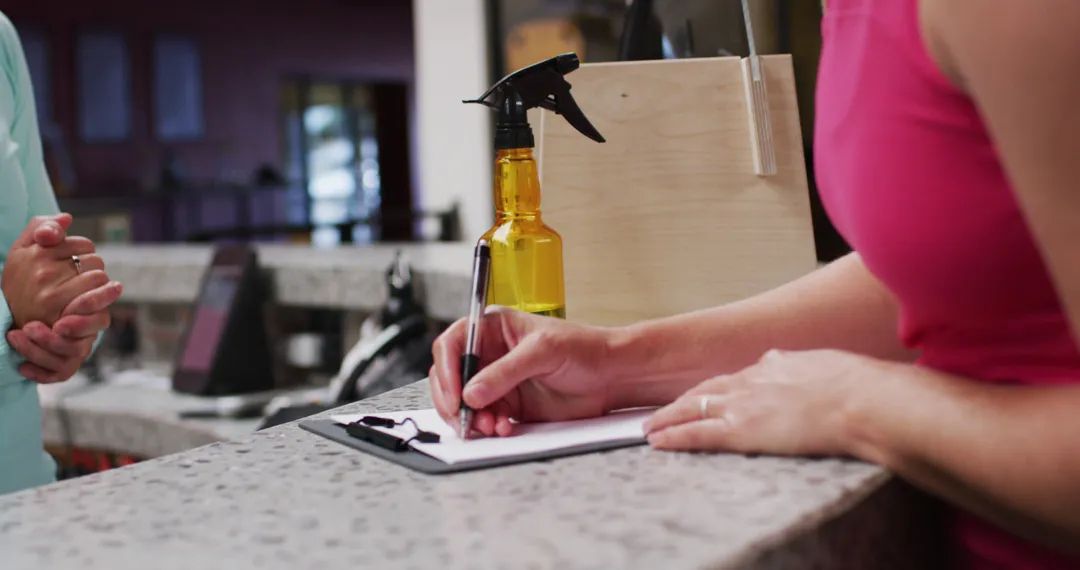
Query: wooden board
x=668 y=215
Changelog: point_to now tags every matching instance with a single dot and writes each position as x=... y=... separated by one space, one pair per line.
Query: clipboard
x=426 y=464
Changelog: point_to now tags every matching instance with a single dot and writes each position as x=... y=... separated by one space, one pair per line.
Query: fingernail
x=491 y=309
x=472 y=393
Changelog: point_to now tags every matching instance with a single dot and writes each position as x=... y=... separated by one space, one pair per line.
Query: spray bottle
x=526 y=254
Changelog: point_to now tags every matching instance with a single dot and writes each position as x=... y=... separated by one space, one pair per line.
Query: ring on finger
x=78 y=264
x=703 y=406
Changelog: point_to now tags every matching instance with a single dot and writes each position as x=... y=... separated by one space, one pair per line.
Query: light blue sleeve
x=23 y=462
x=9 y=359
x=26 y=133
x=24 y=126
x=39 y=194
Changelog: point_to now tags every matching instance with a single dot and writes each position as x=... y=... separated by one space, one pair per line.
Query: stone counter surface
x=285 y=498
x=347 y=277
x=131 y=419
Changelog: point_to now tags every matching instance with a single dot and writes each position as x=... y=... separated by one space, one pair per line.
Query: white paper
x=527 y=438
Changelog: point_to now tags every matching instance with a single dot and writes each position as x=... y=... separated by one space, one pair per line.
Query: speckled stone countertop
x=347 y=277
x=132 y=419
x=285 y=498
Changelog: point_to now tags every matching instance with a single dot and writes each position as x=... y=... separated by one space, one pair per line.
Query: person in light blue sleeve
x=56 y=293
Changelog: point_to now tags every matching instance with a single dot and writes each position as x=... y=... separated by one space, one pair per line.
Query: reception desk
x=285 y=498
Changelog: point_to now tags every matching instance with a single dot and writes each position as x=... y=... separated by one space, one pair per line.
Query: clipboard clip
x=364 y=429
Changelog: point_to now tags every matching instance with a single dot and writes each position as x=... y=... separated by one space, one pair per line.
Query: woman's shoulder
x=14 y=78
x=10 y=47
x=8 y=36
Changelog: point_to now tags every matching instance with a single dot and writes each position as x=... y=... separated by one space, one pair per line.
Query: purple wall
x=247 y=48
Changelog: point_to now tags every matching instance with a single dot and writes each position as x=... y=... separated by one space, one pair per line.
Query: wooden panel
x=668 y=216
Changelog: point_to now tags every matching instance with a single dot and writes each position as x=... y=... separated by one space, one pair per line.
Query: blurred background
x=174 y=130
x=324 y=121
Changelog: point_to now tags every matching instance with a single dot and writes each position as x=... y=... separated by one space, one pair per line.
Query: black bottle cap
x=538 y=85
x=512 y=128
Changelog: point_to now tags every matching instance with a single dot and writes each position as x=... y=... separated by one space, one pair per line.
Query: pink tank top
x=911 y=178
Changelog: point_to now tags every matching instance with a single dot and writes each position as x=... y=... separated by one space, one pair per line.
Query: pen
x=470 y=360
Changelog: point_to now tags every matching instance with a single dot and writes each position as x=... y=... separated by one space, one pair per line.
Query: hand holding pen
x=534 y=369
x=470 y=360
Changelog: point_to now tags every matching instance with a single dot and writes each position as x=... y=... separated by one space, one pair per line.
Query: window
x=331 y=146
x=178 y=104
x=104 y=87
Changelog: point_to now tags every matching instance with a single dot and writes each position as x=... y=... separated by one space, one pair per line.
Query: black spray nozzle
x=538 y=85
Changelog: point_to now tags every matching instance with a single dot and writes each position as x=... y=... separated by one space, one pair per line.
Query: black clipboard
x=426 y=464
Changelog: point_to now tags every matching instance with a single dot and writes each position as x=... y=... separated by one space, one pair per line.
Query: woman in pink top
x=945 y=348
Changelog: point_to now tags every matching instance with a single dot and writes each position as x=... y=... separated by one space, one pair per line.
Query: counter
x=285 y=498
x=139 y=419
x=348 y=278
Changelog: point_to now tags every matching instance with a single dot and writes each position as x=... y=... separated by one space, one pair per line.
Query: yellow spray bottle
x=526 y=254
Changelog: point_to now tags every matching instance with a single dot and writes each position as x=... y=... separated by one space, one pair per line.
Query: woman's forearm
x=839 y=306
x=1010 y=454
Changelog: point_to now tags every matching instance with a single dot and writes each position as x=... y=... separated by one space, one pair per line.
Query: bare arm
x=840 y=306
x=1007 y=453
x=539 y=369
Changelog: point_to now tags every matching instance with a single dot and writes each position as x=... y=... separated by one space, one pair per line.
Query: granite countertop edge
x=811 y=521
x=663 y=493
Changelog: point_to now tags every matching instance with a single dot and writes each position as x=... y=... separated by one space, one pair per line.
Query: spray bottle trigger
x=568 y=108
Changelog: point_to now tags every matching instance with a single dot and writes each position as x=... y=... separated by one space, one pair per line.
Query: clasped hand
x=57 y=309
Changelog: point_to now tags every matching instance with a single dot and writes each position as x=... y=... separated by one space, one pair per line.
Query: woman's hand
x=788 y=403
x=55 y=354
x=532 y=369
x=40 y=278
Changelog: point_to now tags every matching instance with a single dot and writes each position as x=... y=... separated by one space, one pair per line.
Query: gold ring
x=78 y=264
x=704 y=406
